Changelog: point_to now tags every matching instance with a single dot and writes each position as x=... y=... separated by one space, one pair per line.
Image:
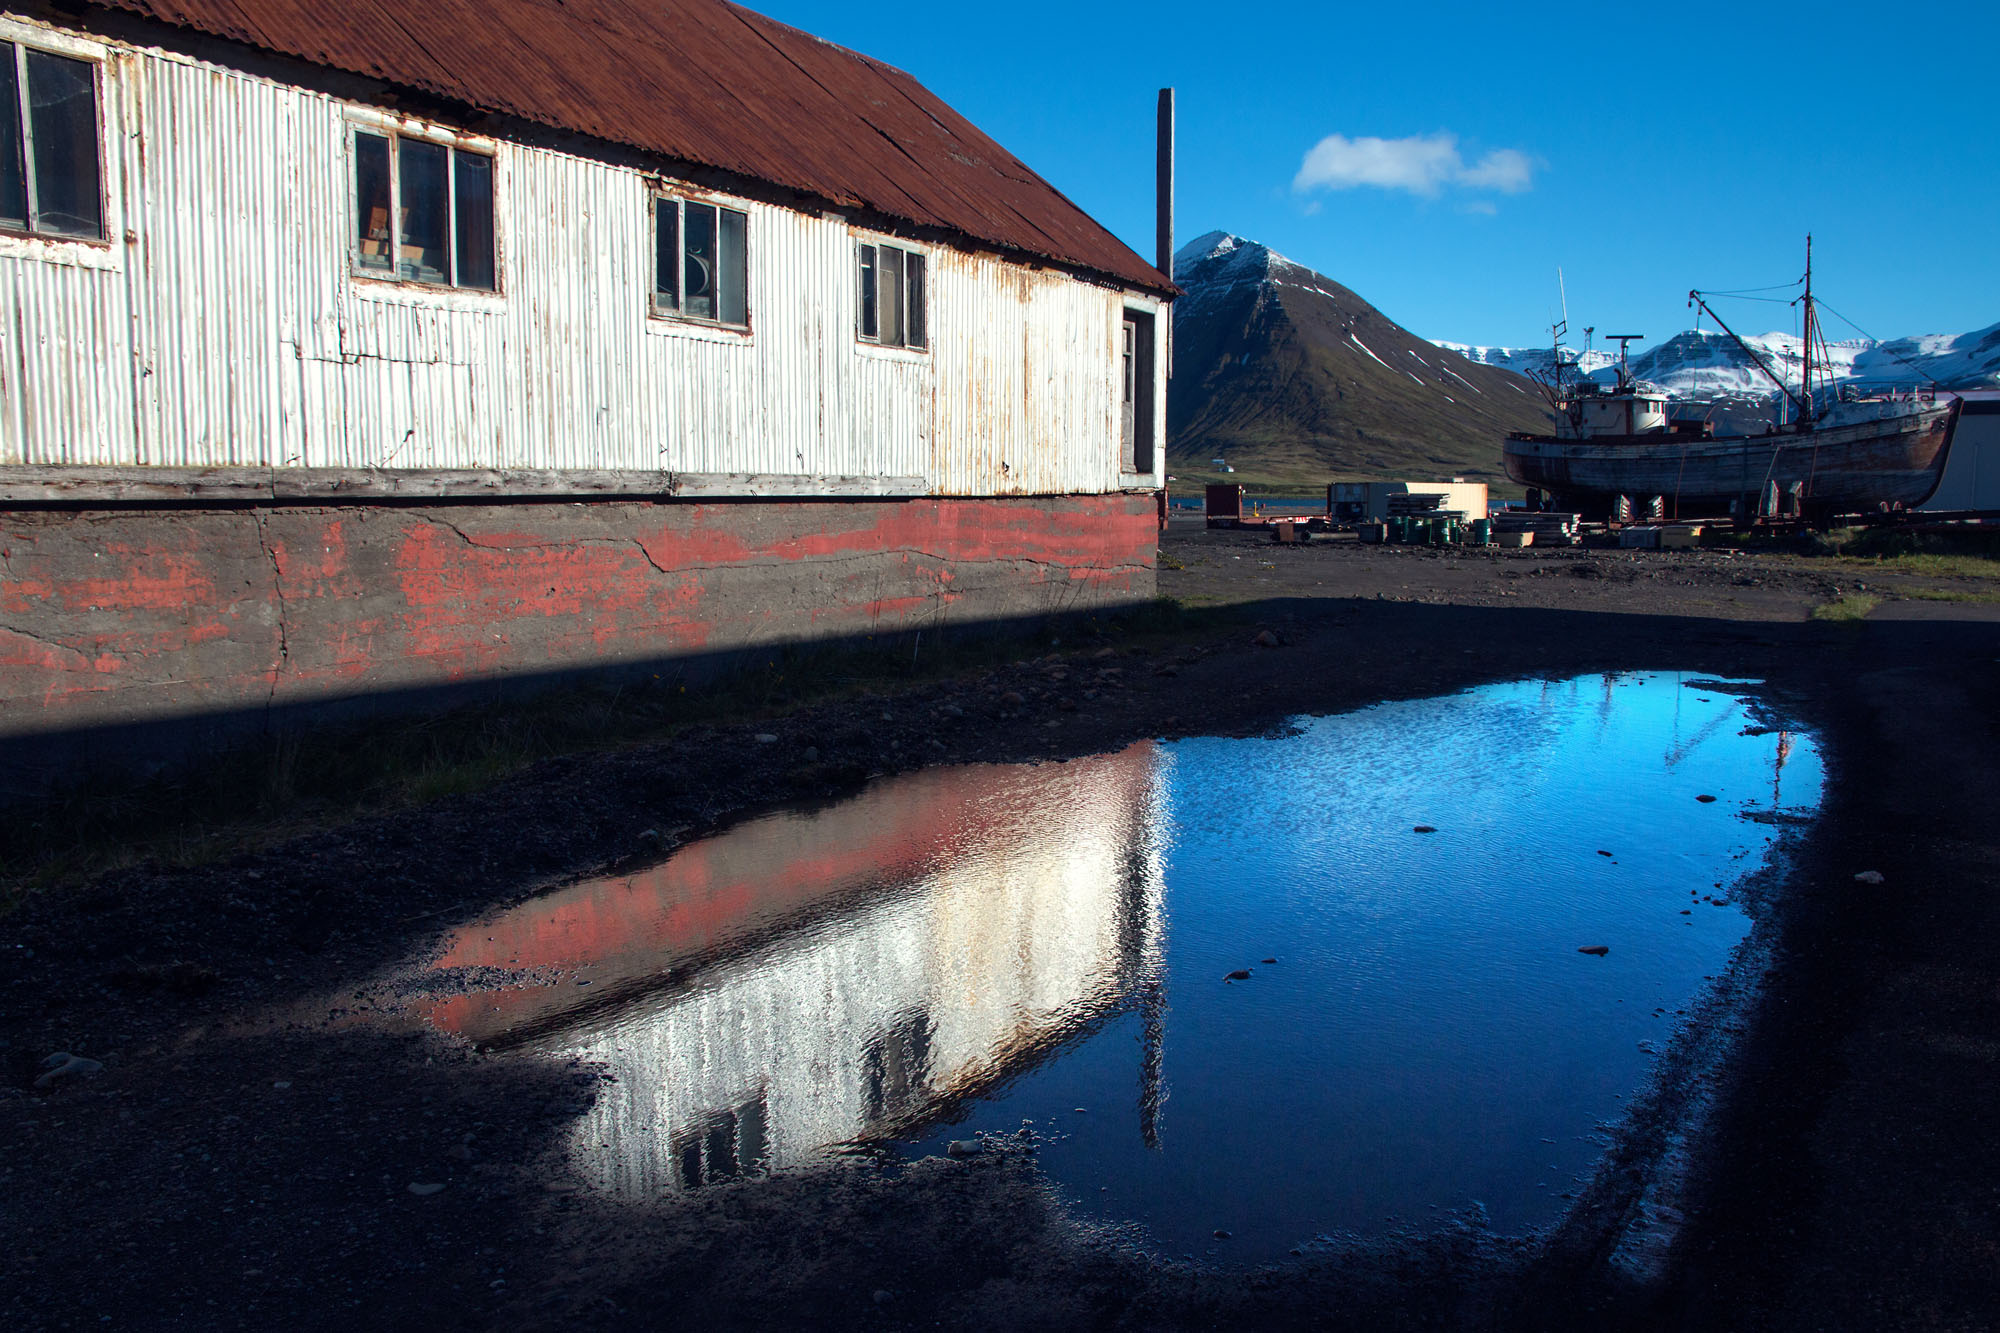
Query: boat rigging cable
x=1695 y=299
x=1880 y=346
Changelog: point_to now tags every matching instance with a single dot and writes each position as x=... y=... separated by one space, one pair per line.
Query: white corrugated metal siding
x=222 y=327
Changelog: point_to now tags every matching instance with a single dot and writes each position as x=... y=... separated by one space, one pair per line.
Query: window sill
x=396 y=291
x=72 y=251
x=916 y=355
x=1138 y=481
x=667 y=326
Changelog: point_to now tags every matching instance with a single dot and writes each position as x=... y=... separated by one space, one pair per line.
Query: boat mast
x=1805 y=371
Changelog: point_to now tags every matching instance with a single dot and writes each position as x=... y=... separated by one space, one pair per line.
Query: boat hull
x=1847 y=469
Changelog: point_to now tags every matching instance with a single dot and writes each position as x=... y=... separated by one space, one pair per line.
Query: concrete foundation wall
x=116 y=618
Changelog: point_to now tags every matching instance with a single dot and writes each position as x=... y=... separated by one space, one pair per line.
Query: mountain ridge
x=1699 y=365
x=1297 y=380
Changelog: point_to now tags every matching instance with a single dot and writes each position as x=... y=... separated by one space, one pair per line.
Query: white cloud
x=1508 y=170
x=1423 y=164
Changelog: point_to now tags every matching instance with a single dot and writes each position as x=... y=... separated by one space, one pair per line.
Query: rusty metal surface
x=224 y=326
x=699 y=81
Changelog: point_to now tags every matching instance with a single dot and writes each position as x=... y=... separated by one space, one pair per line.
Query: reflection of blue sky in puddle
x=1429 y=1027
x=963 y=949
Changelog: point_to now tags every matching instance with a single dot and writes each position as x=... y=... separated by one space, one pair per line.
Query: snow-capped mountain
x=1704 y=365
x=1533 y=361
x=1290 y=375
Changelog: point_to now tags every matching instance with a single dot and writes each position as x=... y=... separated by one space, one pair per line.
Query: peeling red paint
x=120 y=613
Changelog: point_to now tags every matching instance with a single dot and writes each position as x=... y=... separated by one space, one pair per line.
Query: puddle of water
x=962 y=950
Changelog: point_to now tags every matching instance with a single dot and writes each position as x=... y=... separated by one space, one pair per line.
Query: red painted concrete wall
x=125 y=616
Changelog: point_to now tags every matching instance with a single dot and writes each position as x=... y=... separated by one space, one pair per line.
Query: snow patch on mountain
x=1528 y=360
x=1703 y=365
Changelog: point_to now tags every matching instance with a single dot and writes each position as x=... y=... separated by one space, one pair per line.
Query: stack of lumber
x=1549 y=529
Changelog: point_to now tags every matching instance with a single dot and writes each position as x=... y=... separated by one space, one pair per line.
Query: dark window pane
x=732 y=270
x=425 y=234
x=917 y=333
x=371 y=201
x=722 y=1148
x=698 y=286
x=666 y=254
x=889 y=273
x=13 y=175
x=868 y=291
x=755 y=1135
x=472 y=218
x=62 y=138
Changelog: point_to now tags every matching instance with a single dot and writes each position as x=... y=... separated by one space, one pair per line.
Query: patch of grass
x=1849 y=609
x=1954 y=553
x=1947 y=595
x=292 y=783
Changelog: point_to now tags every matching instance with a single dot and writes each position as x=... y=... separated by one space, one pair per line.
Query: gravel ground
x=238 y=1160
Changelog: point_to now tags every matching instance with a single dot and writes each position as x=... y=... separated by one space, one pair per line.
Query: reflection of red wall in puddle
x=753 y=877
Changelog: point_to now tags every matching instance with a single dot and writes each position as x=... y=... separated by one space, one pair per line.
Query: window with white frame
x=50 y=182
x=701 y=266
x=892 y=290
x=423 y=211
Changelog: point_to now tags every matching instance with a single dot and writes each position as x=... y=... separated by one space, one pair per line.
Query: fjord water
x=966 y=951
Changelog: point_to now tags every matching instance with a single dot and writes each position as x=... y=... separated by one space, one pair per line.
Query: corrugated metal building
x=355 y=349
x=1971 y=480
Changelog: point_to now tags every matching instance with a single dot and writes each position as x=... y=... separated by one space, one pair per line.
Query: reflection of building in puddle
x=810 y=979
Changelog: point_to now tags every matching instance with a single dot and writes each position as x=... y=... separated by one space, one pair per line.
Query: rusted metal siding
x=695 y=81
x=1028 y=380
x=222 y=326
x=65 y=367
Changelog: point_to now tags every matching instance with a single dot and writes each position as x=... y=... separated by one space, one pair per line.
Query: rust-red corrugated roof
x=700 y=81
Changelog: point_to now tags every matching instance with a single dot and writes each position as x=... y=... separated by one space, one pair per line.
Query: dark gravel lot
x=240 y=1161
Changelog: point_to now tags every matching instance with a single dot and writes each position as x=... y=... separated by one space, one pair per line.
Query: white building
x=303 y=328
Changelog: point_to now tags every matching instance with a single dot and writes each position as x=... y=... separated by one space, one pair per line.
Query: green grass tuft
x=1850 y=609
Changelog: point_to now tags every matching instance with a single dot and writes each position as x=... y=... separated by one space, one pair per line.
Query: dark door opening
x=1136 y=363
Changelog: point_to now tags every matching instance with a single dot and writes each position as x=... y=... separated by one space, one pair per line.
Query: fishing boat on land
x=1618 y=452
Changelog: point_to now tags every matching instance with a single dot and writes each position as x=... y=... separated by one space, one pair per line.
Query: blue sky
x=1644 y=150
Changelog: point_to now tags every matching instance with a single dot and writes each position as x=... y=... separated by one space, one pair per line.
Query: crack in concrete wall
x=262 y=523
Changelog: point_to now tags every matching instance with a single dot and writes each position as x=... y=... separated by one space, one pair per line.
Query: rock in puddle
x=62 y=1065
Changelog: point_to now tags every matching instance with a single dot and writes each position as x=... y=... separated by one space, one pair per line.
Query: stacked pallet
x=1543 y=529
x=1422 y=504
